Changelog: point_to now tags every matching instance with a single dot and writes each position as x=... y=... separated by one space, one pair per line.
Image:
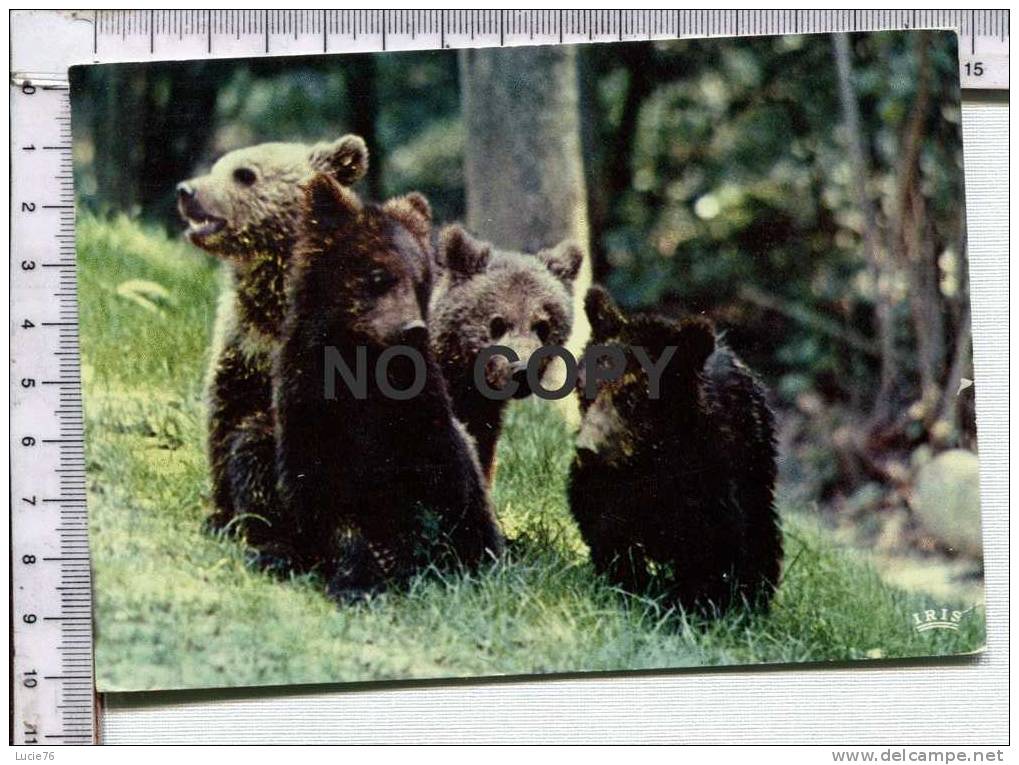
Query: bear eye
x=542 y=329
x=379 y=281
x=245 y=176
x=497 y=328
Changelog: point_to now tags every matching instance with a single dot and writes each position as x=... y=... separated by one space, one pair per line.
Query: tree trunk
x=881 y=270
x=593 y=135
x=119 y=149
x=179 y=117
x=913 y=241
x=363 y=104
x=925 y=301
x=523 y=165
x=962 y=363
x=608 y=150
x=151 y=127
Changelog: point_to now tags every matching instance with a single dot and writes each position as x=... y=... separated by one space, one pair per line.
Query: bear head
x=487 y=297
x=625 y=407
x=250 y=200
x=365 y=268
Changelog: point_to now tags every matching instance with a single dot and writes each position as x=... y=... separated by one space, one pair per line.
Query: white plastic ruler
x=53 y=699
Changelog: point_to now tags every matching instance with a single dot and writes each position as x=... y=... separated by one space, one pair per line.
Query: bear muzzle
x=201 y=223
x=414 y=334
x=518 y=373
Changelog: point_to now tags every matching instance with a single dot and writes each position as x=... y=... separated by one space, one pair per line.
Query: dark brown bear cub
x=674 y=492
x=375 y=484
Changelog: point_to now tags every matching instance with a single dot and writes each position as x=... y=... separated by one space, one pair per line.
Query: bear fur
x=246 y=211
x=487 y=297
x=675 y=495
x=374 y=488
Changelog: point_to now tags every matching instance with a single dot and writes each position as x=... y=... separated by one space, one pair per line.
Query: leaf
x=151 y=296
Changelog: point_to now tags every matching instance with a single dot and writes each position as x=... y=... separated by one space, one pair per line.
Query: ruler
x=53 y=697
x=51 y=585
x=106 y=36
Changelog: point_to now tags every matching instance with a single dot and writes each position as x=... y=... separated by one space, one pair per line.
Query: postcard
x=529 y=360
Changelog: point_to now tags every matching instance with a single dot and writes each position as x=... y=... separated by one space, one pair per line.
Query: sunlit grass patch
x=179 y=607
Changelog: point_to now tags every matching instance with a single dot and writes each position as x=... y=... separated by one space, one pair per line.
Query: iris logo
x=937 y=619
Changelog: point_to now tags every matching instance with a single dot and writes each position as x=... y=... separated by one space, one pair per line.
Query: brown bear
x=673 y=480
x=246 y=211
x=486 y=297
x=375 y=485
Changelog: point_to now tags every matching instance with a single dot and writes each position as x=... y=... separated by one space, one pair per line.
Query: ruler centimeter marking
x=139 y=35
x=50 y=574
x=50 y=577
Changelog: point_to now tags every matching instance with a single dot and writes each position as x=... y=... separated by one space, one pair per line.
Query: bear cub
x=246 y=211
x=486 y=297
x=374 y=487
x=674 y=494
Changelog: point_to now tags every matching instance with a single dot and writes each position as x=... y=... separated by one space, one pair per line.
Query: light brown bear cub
x=488 y=297
x=247 y=211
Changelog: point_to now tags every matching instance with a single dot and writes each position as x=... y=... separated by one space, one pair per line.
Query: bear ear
x=346 y=159
x=696 y=339
x=413 y=211
x=461 y=253
x=606 y=319
x=419 y=202
x=328 y=205
x=693 y=338
x=563 y=261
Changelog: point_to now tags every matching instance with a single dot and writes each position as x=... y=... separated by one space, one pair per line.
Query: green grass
x=178 y=608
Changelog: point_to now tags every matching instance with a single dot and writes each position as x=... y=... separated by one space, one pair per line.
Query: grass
x=178 y=608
